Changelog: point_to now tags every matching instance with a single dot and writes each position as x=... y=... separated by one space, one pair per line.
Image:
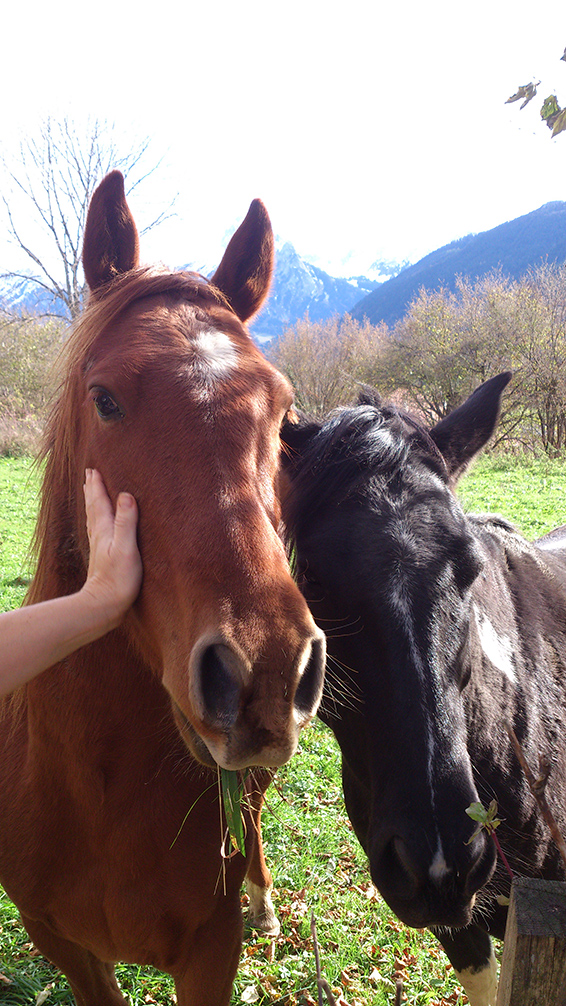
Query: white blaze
x=215 y=355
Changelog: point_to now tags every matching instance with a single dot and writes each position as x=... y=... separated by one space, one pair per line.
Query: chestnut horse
x=111 y=834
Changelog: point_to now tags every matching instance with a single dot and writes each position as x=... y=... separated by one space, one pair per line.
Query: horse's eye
x=105 y=405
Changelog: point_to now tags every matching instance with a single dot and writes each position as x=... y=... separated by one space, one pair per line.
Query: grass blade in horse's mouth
x=231 y=785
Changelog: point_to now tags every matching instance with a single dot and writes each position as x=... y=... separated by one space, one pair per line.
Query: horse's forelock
x=102 y=309
x=350 y=444
x=104 y=306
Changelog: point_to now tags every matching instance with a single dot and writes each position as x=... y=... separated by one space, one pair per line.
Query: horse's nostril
x=397 y=867
x=309 y=689
x=219 y=687
x=480 y=859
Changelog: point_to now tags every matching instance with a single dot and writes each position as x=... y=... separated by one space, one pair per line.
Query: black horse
x=441 y=628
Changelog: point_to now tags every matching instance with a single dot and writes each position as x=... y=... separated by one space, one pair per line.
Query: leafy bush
x=447 y=343
x=28 y=349
x=326 y=361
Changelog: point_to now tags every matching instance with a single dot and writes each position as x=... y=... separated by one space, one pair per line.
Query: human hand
x=115 y=567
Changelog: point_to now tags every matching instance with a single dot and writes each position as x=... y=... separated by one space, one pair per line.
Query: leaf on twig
x=525 y=93
x=559 y=123
x=488 y=820
x=485 y=818
x=550 y=109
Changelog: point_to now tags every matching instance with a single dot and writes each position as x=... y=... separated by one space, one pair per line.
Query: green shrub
x=28 y=349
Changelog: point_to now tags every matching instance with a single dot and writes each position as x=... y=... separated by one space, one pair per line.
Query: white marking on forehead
x=497 y=648
x=215 y=355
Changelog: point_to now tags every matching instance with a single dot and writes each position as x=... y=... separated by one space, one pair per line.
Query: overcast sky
x=376 y=129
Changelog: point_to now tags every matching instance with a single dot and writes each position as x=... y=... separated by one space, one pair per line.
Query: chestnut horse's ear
x=111 y=244
x=244 y=274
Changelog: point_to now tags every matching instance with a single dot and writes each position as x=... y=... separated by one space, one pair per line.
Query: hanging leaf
x=525 y=93
x=485 y=818
x=477 y=812
x=550 y=109
x=232 y=785
x=559 y=123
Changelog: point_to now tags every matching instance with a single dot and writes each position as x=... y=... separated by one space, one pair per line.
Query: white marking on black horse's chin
x=480 y=985
x=439 y=868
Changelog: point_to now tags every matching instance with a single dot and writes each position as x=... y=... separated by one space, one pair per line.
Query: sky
x=371 y=130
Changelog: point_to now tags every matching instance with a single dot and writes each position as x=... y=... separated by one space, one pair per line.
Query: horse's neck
x=102 y=690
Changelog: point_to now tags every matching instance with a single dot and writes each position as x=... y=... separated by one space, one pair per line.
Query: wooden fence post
x=533 y=969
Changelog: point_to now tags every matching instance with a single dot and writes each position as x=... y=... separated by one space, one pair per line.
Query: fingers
x=114 y=568
x=99 y=512
x=118 y=530
x=125 y=522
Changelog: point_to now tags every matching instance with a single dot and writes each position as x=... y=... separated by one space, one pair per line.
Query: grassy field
x=316 y=862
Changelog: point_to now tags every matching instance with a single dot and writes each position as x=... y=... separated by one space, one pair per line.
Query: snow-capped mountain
x=299 y=286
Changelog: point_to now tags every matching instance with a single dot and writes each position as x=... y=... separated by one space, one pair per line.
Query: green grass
x=315 y=859
x=530 y=492
x=18 y=504
x=318 y=867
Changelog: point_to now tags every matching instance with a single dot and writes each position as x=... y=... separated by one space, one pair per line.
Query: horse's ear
x=369 y=396
x=111 y=244
x=244 y=274
x=465 y=431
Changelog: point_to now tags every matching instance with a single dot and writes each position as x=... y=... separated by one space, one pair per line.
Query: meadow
x=316 y=862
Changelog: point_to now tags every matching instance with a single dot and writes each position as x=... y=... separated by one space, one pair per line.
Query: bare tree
x=49 y=185
x=326 y=361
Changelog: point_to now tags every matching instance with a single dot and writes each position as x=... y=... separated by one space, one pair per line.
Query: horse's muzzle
x=424 y=894
x=240 y=715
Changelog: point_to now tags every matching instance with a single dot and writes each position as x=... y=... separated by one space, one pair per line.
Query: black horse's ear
x=111 y=244
x=296 y=433
x=244 y=274
x=462 y=434
x=369 y=396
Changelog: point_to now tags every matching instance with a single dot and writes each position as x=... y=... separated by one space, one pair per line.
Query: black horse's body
x=441 y=627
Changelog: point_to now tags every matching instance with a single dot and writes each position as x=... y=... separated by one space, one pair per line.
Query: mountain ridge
x=298 y=286
x=513 y=246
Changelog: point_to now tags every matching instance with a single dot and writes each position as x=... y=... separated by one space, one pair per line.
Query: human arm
x=37 y=636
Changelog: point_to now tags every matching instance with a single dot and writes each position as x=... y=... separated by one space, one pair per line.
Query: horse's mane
x=350 y=445
x=57 y=447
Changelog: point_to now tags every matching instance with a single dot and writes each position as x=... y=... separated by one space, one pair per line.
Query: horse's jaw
x=224 y=752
